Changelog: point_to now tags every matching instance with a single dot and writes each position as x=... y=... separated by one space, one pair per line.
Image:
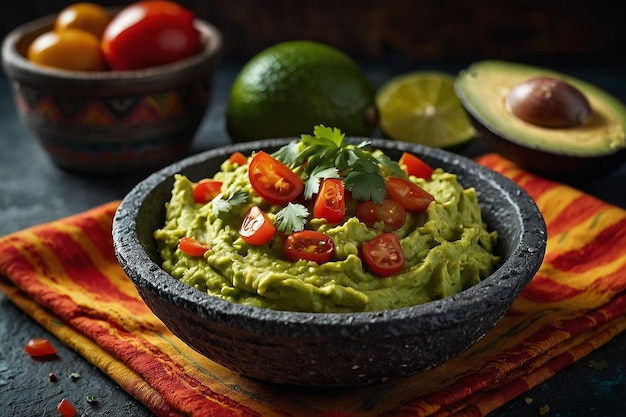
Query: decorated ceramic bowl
x=111 y=121
x=332 y=349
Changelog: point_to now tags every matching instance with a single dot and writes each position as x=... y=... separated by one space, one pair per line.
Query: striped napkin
x=64 y=274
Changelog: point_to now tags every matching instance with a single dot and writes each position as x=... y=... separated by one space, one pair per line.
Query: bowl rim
x=14 y=62
x=526 y=256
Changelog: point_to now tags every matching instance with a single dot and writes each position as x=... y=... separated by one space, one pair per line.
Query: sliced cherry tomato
x=206 y=190
x=238 y=158
x=193 y=247
x=384 y=255
x=390 y=212
x=409 y=195
x=39 y=346
x=273 y=180
x=66 y=408
x=309 y=245
x=86 y=16
x=330 y=203
x=256 y=228
x=150 y=33
x=413 y=165
x=71 y=49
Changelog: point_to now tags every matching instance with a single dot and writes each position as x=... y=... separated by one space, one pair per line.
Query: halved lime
x=422 y=107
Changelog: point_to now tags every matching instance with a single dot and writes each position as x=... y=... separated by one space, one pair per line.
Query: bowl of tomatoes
x=325 y=348
x=106 y=92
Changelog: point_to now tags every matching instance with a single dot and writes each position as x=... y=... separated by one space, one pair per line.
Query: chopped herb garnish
x=74 y=376
x=92 y=399
x=291 y=218
x=327 y=156
x=223 y=202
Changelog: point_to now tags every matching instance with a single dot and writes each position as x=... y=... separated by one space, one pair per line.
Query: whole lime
x=290 y=87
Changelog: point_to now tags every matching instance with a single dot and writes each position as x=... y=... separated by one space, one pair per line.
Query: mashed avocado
x=447 y=248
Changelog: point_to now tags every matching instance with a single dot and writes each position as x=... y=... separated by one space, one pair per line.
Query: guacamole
x=447 y=248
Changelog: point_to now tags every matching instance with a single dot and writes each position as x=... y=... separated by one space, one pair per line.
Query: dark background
x=532 y=30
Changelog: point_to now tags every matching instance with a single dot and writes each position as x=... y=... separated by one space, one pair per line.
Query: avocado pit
x=548 y=102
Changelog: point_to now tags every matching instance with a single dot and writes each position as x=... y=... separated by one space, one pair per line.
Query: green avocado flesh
x=484 y=85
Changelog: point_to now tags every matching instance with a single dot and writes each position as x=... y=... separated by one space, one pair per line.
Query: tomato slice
x=206 y=190
x=256 y=228
x=150 y=33
x=39 y=346
x=410 y=196
x=330 y=203
x=309 y=245
x=238 y=158
x=390 y=212
x=384 y=255
x=193 y=247
x=273 y=180
x=415 y=166
x=66 y=409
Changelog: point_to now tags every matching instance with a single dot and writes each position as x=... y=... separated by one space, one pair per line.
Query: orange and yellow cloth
x=64 y=274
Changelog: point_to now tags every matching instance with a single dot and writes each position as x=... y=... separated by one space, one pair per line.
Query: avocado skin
x=548 y=164
x=553 y=163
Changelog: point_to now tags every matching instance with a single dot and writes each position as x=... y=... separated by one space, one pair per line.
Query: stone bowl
x=332 y=349
x=111 y=121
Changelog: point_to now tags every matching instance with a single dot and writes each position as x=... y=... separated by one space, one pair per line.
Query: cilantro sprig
x=328 y=156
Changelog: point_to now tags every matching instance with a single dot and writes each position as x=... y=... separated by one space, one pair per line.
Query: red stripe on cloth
x=578 y=211
x=544 y=290
x=81 y=270
x=607 y=245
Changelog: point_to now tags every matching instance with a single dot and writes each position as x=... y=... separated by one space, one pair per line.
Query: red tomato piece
x=415 y=166
x=309 y=245
x=193 y=247
x=256 y=228
x=390 y=212
x=39 y=346
x=238 y=158
x=66 y=408
x=384 y=255
x=330 y=203
x=273 y=180
x=206 y=190
x=150 y=33
x=410 y=196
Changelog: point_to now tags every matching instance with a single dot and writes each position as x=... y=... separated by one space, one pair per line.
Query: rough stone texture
x=332 y=349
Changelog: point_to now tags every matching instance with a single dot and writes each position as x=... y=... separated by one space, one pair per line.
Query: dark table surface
x=34 y=191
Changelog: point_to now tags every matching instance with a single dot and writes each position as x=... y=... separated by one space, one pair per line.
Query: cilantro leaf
x=291 y=218
x=366 y=186
x=313 y=182
x=223 y=202
x=364 y=171
x=288 y=153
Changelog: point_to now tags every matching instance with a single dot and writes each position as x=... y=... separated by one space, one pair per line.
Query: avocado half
x=595 y=147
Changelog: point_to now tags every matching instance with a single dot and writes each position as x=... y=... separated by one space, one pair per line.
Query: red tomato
x=206 y=190
x=273 y=180
x=66 y=408
x=384 y=254
x=330 y=203
x=150 y=33
x=415 y=166
x=256 y=228
x=390 y=212
x=193 y=247
x=309 y=245
x=238 y=158
x=39 y=346
x=409 y=195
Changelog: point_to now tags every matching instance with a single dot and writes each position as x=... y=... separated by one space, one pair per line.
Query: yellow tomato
x=71 y=49
x=86 y=16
